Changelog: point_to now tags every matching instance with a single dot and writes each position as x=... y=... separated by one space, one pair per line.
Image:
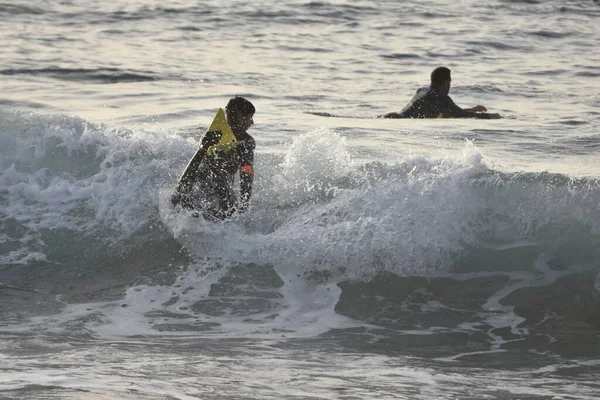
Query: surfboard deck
x=330 y=115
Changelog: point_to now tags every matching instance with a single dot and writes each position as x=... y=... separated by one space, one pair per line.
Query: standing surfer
x=206 y=184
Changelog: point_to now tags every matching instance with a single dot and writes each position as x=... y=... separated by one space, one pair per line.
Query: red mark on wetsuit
x=247 y=169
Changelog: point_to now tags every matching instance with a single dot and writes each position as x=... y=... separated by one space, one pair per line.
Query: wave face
x=77 y=202
x=420 y=249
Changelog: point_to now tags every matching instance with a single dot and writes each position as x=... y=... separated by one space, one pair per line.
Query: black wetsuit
x=431 y=103
x=207 y=184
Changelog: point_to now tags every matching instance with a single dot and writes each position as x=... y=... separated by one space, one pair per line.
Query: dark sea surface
x=381 y=259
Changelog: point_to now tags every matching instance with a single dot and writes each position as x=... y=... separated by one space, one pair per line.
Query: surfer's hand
x=478 y=108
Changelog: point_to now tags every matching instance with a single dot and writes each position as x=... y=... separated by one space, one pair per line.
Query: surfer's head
x=239 y=113
x=440 y=79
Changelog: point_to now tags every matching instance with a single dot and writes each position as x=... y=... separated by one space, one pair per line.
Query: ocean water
x=381 y=259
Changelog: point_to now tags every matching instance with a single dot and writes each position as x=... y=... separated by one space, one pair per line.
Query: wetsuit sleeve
x=190 y=176
x=246 y=173
x=451 y=110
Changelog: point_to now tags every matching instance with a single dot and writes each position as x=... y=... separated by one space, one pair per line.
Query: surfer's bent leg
x=227 y=200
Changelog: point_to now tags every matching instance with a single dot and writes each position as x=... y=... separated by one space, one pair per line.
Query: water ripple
x=98 y=75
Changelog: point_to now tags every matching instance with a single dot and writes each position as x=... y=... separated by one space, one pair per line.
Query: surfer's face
x=446 y=86
x=240 y=122
x=245 y=121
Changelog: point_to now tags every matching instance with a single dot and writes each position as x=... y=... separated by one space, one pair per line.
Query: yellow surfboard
x=226 y=143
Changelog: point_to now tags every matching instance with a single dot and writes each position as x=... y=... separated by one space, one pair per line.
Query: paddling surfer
x=434 y=102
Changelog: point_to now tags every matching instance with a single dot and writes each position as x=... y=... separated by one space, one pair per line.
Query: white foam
x=304 y=310
x=22 y=256
x=62 y=173
x=323 y=212
x=318 y=209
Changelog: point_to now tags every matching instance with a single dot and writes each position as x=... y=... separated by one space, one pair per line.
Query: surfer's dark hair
x=440 y=75
x=240 y=105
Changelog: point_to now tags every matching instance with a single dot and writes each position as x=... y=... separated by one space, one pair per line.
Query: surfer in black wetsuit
x=434 y=102
x=207 y=183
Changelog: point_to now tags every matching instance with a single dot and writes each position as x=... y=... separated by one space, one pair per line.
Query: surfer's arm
x=481 y=114
x=246 y=173
x=246 y=181
x=451 y=110
x=478 y=108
